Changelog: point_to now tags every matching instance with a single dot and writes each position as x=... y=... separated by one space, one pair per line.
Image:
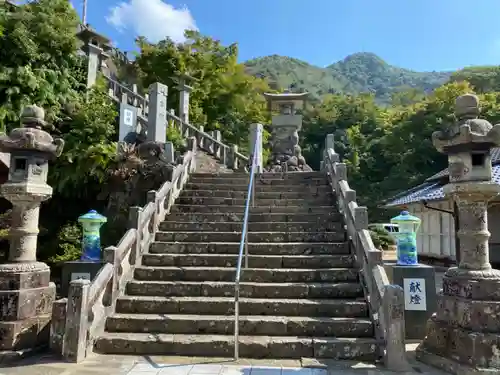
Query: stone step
x=259 y=202
x=248 y=325
x=299 y=176
x=252 y=236
x=254 y=261
x=241 y=209
x=237 y=217
x=259 y=181
x=249 y=346
x=256 y=275
x=302 y=188
x=298 y=248
x=249 y=290
x=258 y=194
x=171 y=226
x=354 y=308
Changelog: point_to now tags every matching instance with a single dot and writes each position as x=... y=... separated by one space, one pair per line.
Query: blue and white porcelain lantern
x=91 y=240
x=406 y=238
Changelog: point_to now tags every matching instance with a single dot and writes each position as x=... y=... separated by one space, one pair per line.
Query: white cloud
x=153 y=19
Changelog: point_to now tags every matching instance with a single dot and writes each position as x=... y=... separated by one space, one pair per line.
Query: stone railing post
x=75 y=338
x=232 y=159
x=393 y=310
x=169 y=152
x=134 y=220
x=217 y=148
x=256 y=139
x=157 y=116
x=200 y=140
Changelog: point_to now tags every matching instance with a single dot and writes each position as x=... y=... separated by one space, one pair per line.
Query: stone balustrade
x=386 y=301
x=78 y=319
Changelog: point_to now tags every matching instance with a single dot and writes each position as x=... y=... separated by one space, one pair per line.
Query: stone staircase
x=300 y=296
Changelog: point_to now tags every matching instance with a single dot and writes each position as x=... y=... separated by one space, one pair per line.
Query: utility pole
x=84 y=13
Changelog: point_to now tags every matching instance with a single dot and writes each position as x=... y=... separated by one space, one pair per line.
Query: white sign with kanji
x=128 y=117
x=414 y=290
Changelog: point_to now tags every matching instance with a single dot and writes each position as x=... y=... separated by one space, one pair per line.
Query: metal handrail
x=244 y=242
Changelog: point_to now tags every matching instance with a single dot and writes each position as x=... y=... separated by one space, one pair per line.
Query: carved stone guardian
x=463 y=336
x=26 y=293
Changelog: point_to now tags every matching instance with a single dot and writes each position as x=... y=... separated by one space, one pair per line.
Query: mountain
x=357 y=73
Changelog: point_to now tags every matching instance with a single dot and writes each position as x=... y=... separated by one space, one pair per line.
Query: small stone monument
x=26 y=293
x=463 y=336
x=286 y=154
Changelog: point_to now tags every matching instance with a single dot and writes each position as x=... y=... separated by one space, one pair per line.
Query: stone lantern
x=286 y=154
x=26 y=293
x=463 y=336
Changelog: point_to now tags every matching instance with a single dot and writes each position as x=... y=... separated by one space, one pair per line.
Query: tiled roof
x=432 y=189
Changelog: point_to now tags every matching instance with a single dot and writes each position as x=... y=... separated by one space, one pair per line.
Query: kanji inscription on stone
x=414 y=290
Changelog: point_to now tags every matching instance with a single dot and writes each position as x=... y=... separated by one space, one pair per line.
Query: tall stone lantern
x=26 y=293
x=463 y=336
x=286 y=154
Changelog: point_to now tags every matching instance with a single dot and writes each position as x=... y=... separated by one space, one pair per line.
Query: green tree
x=39 y=63
x=224 y=96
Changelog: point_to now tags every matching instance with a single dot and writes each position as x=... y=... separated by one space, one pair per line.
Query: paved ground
x=135 y=365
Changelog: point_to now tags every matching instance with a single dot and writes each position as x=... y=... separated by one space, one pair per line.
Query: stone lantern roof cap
x=276 y=100
x=31 y=136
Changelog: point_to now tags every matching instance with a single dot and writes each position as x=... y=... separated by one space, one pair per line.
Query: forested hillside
x=357 y=73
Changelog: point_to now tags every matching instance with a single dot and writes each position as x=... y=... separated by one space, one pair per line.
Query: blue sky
x=422 y=35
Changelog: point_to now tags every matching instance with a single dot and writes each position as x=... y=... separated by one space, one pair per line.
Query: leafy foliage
x=38 y=58
x=224 y=96
x=357 y=73
x=381 y=238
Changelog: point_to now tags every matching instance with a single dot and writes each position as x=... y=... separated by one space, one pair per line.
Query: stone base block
x=476 y=350
x=485 y=289
x=16 y=305
x=450 y=365
x=15 y=276
x=479 y=316
x=25 y=334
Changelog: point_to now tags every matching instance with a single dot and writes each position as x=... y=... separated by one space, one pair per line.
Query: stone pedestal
x=26 y=297
x=419 y=285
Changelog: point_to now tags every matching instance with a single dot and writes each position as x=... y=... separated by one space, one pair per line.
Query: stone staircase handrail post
x=386 y=302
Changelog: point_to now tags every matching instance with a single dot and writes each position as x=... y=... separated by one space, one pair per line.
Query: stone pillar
x=256 y=131
x=463 y=336
x=26 y=293
x=286 y=154
x=184 y=93
x=94 y=54
x=157 y=116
